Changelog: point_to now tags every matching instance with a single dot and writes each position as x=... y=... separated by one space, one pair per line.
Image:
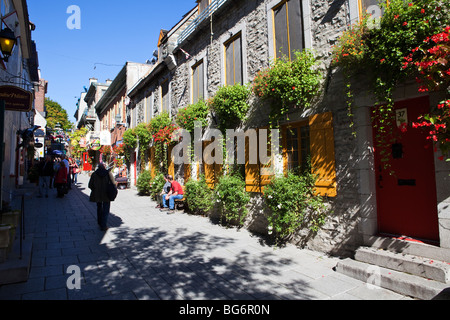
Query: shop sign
x=16 y=99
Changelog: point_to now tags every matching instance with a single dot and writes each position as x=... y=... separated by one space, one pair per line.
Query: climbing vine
x=378 y=48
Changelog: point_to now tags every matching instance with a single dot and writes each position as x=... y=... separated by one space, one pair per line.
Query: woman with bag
x=61 y=180
x=101 y=181
x=75 y=171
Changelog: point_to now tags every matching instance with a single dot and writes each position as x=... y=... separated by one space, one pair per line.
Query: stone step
x=17 y=267
x=423 y=267
x=400 y=282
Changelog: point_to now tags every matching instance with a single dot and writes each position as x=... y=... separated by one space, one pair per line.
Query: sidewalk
x=149 y=255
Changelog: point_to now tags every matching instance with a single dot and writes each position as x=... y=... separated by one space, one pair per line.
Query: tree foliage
x=56 y=114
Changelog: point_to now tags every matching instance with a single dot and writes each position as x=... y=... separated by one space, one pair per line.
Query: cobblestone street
x=150 y=255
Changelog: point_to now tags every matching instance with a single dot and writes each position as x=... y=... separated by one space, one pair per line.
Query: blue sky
x=112 y=32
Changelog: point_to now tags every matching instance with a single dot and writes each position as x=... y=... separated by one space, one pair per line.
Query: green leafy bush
x=199 y=197
x=195 y=112
x=156 y=185
x=143 y=183
x=232 y=197
x=293 y=205
x=230 y=105
x=289 y=83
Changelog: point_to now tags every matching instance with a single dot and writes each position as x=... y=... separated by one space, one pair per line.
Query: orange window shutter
x=252 y=182
x=187 y=172
x=170 y=162
x=322 y=153
x=266 y=170
x=152 y=162
x=208 y=168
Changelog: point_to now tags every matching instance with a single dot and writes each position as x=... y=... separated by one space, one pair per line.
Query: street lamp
x=7 y=42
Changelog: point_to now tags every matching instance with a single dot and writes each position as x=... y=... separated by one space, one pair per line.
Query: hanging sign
x=16 y=99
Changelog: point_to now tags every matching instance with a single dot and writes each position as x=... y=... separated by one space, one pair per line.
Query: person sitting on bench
x=176 y=192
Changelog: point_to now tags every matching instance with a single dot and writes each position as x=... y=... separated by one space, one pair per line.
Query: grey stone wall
x=340 y=235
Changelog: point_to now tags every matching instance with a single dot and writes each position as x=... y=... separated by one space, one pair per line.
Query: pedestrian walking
x=176 y=192
x=99 y=185
x=61 y=180
x=67 y=164
x=74 y=171
x=45 y=176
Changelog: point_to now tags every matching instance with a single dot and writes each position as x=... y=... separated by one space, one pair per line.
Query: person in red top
x=176 y=192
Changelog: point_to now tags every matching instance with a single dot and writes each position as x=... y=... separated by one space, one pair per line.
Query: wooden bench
x=180 y=203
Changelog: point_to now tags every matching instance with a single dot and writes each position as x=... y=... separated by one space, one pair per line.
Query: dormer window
x=202 y=5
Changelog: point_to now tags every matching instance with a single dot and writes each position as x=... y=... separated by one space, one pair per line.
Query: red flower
x=405 y=23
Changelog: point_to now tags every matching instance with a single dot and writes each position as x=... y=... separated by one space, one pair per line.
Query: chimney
x=92 y=80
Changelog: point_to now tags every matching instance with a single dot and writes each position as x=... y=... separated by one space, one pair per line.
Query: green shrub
x=230 y=105
x=293 y=205
x=199 y=197
x=143 y=183
x=156 y=185
x=187 y=117
x=232 y=197
x=289 y=83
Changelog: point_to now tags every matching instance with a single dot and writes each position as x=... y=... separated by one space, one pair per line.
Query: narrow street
x=150 y=255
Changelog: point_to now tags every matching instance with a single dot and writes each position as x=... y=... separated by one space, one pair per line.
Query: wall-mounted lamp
x=7 y=43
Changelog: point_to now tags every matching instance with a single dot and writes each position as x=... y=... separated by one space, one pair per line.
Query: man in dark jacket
x=45 y=175
x=99 y=185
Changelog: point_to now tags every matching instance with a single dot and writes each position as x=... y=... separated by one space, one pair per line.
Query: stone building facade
x=201 y=38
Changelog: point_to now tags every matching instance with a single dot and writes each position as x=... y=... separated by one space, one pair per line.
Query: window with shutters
x=233 y=61
x=259 y=174
x=306 y=144
x=212 y=171
x=288 y=28
x=198 y=82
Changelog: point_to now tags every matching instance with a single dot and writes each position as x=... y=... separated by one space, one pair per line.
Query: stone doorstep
x=14 y=269
x=400 y=282
x=423 y=267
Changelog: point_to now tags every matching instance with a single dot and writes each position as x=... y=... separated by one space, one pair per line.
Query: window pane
x=237 y=61
x=295 y=26
x=281 y=35
x=233 y=61
x=229 y=64
x=305 y=147
x=149 y=108
x=201 y=82
x=165 y=96
x=195 y=84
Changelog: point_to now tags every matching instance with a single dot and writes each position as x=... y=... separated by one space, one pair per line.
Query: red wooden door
x=406 y=196
x=86 y=165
